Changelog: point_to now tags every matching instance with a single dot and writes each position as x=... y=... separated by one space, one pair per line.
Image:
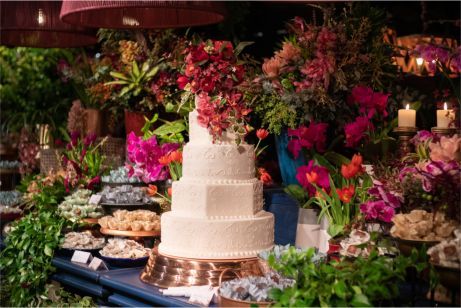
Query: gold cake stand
x=168 y=271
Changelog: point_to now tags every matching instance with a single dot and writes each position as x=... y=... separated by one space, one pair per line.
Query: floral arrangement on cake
x=212 y=73
x=310 y=77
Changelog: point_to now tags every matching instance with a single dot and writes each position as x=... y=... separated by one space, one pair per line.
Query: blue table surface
x=120 y=285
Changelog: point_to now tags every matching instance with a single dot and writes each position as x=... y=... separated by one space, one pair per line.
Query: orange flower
x=152 y=190
x=262 y=133
x=264 y=177
x=312 y=177
x=175 y=156
x=170 y=191
x=357 y=160
x=319 y=195
x=164 y=160
x=346 y=193
x=354 y=168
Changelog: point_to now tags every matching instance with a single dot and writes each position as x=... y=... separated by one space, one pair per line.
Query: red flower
x=346 y=193
x=355 y=167
x=182 y=81
x=170 y=191
x=262 y=133
x=264 y=177
x=355 y=131
x=94 y=181
x=152 y=190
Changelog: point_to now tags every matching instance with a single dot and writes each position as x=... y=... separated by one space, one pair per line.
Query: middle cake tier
x=217 y=198
x=218 y=161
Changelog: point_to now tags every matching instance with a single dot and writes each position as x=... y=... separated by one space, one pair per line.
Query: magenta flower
x=377 y=210
x=369 y=102
x=307 y=137
x=421 y=136
x=144 y=156
x=313 y=174
x=357 y=130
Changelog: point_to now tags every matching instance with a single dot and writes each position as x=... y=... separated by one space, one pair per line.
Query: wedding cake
x=216 y=210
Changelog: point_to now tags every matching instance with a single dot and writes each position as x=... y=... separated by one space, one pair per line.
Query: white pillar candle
x=407 y=117
x=445 y=117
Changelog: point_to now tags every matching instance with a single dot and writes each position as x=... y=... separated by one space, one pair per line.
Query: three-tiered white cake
x=216 y=211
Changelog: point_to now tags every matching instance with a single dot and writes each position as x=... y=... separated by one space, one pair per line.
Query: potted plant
x=337 y=194
x=310 y=77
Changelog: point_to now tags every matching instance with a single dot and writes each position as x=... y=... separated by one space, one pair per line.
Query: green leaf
x=48 y=251
x=241 y=46
x=335 y=230
x=119 y=76
x=340 y=289
x=175 y=127
x=136 y=72
x=152 y=72
x=297 y=192
x=360 y=300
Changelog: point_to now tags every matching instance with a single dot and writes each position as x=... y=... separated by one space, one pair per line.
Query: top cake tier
x=200 y=135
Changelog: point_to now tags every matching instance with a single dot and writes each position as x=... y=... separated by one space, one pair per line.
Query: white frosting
x=196 y=199
x=217 y=204
x=218 y=161
x=216 y=238
x=199 y=134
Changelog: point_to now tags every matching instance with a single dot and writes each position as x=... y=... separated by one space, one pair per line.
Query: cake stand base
x=167 y=271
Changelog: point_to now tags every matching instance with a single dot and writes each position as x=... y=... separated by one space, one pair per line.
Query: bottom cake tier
x=203 y=238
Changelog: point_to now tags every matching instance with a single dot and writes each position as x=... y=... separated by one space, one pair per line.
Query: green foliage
x=26 y=260
x=55 y=296
x=30 y=90
x=170 y=131
x=359 y=283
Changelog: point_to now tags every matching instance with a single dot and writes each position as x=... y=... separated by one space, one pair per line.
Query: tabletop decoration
x=82 y=162
x=137 y=220
x=76 y=206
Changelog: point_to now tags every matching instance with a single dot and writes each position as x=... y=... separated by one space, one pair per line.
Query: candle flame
x=407 y=107
x=445 y=107
x=419 y=61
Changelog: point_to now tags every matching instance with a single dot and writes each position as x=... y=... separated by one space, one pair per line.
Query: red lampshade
x=142 y=14
x=37 y=24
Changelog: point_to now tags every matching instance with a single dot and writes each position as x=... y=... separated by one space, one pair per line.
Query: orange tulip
x=345 y=194
x=164 y=160
x=175 y=156
x=170 y=191
x=312 y=177
x=354 y=168
x=152 y=190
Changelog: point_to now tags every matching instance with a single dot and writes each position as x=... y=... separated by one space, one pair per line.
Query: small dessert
x=76 y=206
x=423 y=226
x=448 y=252
x=138 y=220
x=122 y=248
x=82 y=240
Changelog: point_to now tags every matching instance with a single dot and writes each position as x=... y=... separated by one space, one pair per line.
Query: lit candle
x=445 y=116
x=407 y=117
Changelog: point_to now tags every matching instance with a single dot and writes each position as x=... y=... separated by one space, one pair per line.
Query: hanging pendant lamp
x=146 y=14
x=37 y=24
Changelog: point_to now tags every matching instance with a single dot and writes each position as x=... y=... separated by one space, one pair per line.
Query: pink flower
x=319 y=69
x=307 y=137
x=272 y=66
x=326 y=39
x=377 y=210
x=357 y=130
x=369 y=102
x=289 y=52
x=447 y=149
x=182 y=81
x=421 y=136
x=312 y=174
